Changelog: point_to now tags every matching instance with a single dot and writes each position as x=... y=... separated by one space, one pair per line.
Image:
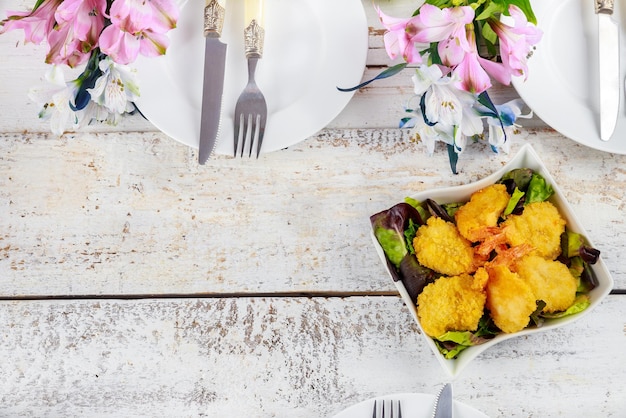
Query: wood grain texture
x=277 y=357
x=124 y=214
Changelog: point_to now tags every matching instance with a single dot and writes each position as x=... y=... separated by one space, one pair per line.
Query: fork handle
x=254 y=32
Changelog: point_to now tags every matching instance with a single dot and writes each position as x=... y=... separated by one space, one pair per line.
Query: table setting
x=257 y=208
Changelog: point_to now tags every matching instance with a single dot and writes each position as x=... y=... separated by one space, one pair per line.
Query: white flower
x=424 y=77
x=116 y=89
x=509 y=113
x=56 y=99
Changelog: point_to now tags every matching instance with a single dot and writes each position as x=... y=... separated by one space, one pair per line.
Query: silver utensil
x=387 y=409
x=213 y=85
x=251 y=109
x=608 y=62
x=443 y=403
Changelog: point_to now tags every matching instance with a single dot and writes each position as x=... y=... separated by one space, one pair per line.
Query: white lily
x=116 y=89
x=56 y=98
x=510 y=112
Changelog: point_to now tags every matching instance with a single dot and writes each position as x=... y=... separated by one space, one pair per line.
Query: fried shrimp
x=540 y=226
x=510 y=299
x=482 y=211
x=439 y=246
x=452 y=304
x=550 y=281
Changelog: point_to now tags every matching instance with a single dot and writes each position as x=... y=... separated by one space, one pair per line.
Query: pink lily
x=446 y=26
x=138 y=27
x=86 y=17
x=123 y=47
x=65 y=48
x=473 y=77
x=398 y=37
x=516 y=42
x=138 y=15
x=36 y=24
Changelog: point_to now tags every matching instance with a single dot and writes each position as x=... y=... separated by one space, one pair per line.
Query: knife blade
x=213 y=83
x=608 y=63
x=443 y=404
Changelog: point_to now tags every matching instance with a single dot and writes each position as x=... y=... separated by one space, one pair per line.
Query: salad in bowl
x=483 y=262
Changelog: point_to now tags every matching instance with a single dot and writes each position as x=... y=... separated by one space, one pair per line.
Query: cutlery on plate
x=608 y=62
x=251 y=109
x=443 y=403
x=213 y=86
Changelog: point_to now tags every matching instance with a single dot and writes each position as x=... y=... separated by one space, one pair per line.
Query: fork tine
x=246 y=131
x=253 y=132
x=237 y=124
x=262 y=121
x=386 y=410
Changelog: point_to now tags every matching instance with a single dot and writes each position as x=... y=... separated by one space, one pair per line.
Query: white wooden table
x=134 y=282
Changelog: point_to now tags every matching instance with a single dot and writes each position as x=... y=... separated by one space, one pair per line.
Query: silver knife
x=213 y=86
x=608 y=62
x=443 y=404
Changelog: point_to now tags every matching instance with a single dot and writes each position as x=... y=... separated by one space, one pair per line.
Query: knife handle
x=214 y=12
x=604 y=6
x=254 y=32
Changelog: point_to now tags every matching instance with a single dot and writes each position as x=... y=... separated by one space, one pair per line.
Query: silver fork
x=387 y=409
x=251 y=109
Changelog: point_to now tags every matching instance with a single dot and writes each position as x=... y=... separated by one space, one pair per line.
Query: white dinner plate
x=562 y=86
x=311 y=48
x=414 y=405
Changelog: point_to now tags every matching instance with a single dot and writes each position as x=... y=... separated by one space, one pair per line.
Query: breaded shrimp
x=549 y=280
x=482 y=211
x=439 y=247
x=451 y=304
x=510 y=300
x=540 y=225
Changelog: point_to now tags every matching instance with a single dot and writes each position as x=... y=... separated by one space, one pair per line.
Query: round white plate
x=414 y=405
x=311 y=48
x=563 y=82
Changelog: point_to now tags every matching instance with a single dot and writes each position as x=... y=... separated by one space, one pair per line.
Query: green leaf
x=538 y=190
x=513 y=201
x=581 y=303
x=491 y=9
x=440 y=3
x=489 y=35
x=409 y=235
x=453 y=157
x=419 y=206
x=525 y=6
x=391 y=71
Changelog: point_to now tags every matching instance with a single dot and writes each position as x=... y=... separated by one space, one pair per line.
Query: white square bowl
x=525 y=158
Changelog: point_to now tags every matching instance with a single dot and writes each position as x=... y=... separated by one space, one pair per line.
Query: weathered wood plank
x=123 y=214
x=280 y=357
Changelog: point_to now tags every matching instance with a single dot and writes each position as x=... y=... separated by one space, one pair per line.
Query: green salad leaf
x=538 y=190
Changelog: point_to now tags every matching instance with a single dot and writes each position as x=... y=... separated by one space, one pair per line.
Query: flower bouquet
x=457 y=48
x=102 y=37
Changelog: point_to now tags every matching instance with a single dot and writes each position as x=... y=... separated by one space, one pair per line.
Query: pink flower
x=79 y=24
x=138 y=27
x=86 y=17
x=138 y=15
x=124 y=47
x=65 y=48
x=36 y=24
x=516 y=42
x=398 y=37
x=446 y=26
x=473 y=77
